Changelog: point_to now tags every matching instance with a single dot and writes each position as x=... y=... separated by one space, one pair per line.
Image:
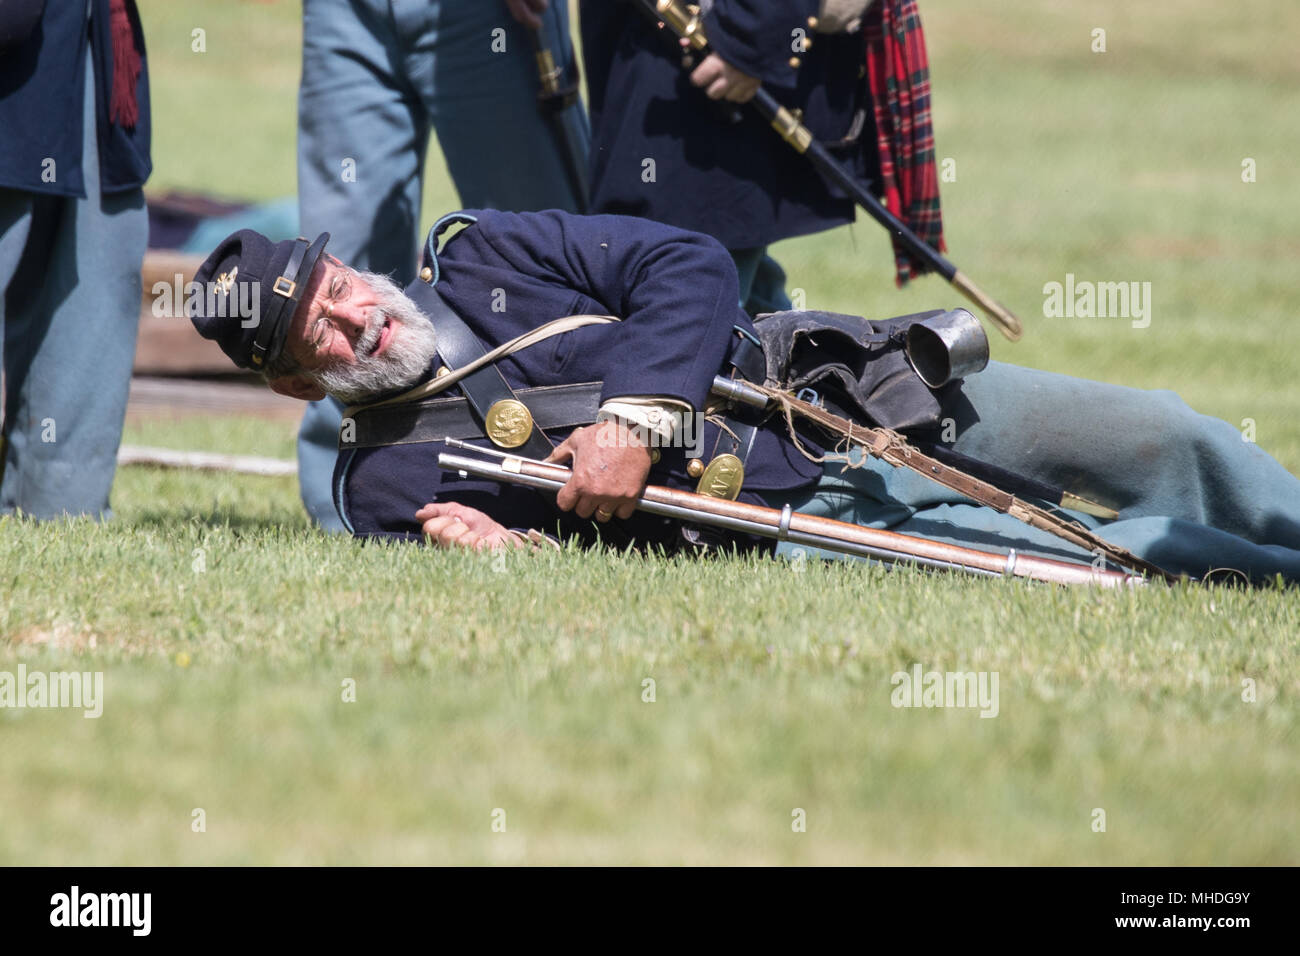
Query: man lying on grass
x=1191 y=495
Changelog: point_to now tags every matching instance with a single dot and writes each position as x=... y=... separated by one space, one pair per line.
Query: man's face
x=335 y=317
x=354 y=335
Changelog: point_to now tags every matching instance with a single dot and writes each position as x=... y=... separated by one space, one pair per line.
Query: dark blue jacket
x=42 y=90
x=718 y=168
x=676 y=293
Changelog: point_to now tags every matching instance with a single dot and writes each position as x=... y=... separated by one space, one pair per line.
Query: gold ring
x=604 y=515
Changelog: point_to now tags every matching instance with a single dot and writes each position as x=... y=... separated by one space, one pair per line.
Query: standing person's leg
x=1142 y=452
x=16 y=214
x=474 y=67
x=70 y=330
x=768 y=293
x=762 y=281
x=362 y=137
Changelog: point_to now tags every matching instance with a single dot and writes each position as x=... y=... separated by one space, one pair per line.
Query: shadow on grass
x=171 y=518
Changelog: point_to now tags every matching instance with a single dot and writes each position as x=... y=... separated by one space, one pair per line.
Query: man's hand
x=527 y=12
x=451 y=525
x=722 y=81
x=610 y=465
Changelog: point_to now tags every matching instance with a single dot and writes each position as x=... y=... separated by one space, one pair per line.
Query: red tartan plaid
x=898 y=72
x=123 y=108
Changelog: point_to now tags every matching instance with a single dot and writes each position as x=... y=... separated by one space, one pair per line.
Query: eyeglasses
x=339 y=290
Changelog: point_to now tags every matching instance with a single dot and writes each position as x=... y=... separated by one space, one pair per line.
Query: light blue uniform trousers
x=377 y=76
x=1192 y=494
x=762 y=281
x=69 y=313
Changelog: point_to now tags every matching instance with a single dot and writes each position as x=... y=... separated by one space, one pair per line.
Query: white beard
x=411 y=347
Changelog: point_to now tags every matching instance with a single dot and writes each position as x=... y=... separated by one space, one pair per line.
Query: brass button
x=794 y=63
x=695 y=468
x=426 y=273
x=654 y=456
x=807 y=44
x=442 y=370
x=812 y=23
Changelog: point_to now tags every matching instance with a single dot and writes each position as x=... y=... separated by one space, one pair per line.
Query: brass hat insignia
x=226 y=280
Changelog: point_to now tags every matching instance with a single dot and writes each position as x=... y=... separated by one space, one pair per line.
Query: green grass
x=225 y=627
x=516 y=682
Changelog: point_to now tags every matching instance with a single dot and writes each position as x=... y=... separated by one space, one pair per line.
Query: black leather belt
x=552 y=406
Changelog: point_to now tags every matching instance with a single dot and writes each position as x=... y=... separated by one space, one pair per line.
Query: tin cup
x=947 y=346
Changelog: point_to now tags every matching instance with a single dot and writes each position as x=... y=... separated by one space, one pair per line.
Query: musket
x=893 y=448
x=562 y=105
x=784 y=524
x=737 y=390
x=686 y=22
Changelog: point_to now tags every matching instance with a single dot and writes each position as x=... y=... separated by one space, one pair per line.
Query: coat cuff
x=652 y=415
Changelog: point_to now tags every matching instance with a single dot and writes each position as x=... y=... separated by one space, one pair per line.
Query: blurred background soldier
x=377 y=76
x=675 y=145
x=74 y=154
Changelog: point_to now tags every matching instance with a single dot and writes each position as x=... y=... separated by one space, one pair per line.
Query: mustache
x=368 y=339
x=412 y=346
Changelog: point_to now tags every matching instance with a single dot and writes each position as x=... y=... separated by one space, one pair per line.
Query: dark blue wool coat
x=718 y=168
x=676 y=294
x=42 y=85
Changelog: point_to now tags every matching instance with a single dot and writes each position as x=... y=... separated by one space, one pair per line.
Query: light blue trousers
x=69 y=313
x=1193 y=496
x=377 y=76
x=762 y=281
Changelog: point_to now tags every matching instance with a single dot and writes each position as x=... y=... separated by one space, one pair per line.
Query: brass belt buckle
x=722 y=478
x=509 y=423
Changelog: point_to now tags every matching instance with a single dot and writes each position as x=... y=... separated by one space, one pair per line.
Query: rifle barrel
x=785 y=525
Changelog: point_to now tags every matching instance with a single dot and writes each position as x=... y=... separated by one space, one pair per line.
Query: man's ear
x=297 y=386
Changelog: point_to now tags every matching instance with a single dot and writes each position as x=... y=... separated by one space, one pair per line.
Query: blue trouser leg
x=762 y=281
x=500 y=150
x=70 y=276
x=317 y=451
x=377 y=75
x=1192 y=495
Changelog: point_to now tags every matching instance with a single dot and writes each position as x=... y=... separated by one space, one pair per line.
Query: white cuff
x=654 y=416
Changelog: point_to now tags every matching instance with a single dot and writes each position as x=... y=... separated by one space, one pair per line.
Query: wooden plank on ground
x=205 y=460
x=154 y=397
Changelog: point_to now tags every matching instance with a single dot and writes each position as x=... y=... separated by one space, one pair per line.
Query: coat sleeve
x=675 y=291
x=759 y=36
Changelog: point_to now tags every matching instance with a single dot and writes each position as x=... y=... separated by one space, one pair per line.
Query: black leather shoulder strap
x=458 y=346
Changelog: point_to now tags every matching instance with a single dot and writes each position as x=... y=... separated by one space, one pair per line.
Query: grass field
x=226 y=629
